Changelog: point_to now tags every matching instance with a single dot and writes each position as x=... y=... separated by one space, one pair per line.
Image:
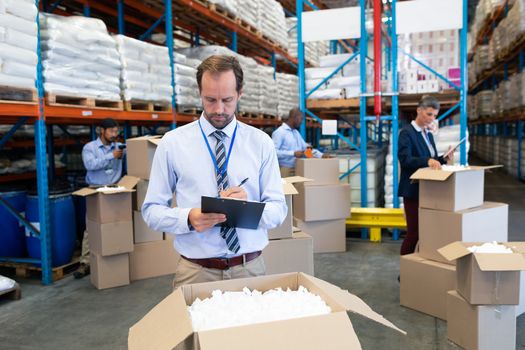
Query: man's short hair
x=108 y=123
x=219 y=64
x=428 y=101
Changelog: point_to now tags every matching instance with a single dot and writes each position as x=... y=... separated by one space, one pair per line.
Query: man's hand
x=327 y=155
x=434 y=164
x=204 y=221
x=117 y=153
x=299 y=154
x=234 y=192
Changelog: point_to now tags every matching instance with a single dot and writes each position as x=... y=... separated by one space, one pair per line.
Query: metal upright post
x=121 y=22
x=234 y=41
x=363 y=48
x=169 y=44
x=51 y=153
x=41 y=171
x=86 y=9
x=300 y=64
x=395 y=107
x=464 y=82
x=274 y=65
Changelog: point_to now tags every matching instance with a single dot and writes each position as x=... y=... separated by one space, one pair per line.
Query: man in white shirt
x=212 y=157
x=290 y=144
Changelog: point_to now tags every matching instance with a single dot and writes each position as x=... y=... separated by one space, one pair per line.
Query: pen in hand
x=243 y=182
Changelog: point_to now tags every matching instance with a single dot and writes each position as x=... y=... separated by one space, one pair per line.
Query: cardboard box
x=141 y=232
x=140 y=153
x=109 y=206
x=315 y=203
x=112 y=238
x=520 y=308
x=168 y=323
x=329 y=235
x=451 y=190
x=480 y=327
x=294 y=254
x=109 y=271
x=140 y=194
x=285 y=230
x=153 y=259
x=424 y=285
x=437 y=228
x=485 y=278
x=323 y=171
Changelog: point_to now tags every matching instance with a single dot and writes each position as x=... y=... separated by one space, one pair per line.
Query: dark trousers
x=412 y=217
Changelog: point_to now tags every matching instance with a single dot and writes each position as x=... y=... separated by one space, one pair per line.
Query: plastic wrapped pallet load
x=18 y=44
x=288 y=93
x=272 y=22
x=229 y=5
x=80 y=58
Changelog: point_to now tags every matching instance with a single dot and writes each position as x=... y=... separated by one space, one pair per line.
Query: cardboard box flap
x=84 y=192
x=349 y=301
x=517 y=246
x=165 y=326
x=155 y=141
x=479 y=167
x=334 y=329
x=150 y=138
x=297 y=179
x=288 y=188
x=430 y=174
x=454 y=251
x=500 y=262
x=129 y=182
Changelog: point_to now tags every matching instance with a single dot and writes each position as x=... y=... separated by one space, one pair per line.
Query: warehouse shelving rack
x=512 y=60
x=191 y=16
x=453 y=100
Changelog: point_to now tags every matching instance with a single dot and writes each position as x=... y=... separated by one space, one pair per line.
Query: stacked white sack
x=272 y=21
x=288 y=87
x=267 y=91
x=18 y=43
x=80 y=58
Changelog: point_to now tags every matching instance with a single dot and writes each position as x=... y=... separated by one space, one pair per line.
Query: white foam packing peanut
x=230 y=309
x=110 y=189
x=457 y=167
x=493 y=248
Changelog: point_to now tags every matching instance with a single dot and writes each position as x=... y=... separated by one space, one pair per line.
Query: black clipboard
x=239 y=213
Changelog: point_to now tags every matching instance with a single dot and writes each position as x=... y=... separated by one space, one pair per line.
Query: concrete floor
x=72 y=314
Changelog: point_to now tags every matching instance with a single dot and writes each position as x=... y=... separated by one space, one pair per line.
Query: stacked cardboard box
x=451 y=208
x=481 y=311
x=110 y=227
x=322 y=205
x=153 y=254
x=289 y=251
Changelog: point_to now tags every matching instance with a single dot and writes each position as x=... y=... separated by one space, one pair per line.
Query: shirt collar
x=417 y=127
x=209 y=129
x=287 y=127
x=99 y=143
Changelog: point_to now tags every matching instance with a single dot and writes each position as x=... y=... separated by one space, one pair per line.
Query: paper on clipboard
x=453 y=149
x=239 y=213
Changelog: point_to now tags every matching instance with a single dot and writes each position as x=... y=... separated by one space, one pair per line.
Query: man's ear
x=240 y=95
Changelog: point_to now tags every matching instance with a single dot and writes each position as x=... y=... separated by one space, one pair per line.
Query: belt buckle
x=225 y=263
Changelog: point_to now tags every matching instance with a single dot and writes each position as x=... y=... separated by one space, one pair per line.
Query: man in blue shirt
x=103 y=161
x=290 y=144
x=214 y=156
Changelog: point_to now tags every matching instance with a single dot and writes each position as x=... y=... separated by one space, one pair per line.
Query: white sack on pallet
x=20 y=24
x=327 y=94
x=228 y=5
x=18 y=69
x=9 y=52
x=16 y=38
x=17 y=82
x=25 y=9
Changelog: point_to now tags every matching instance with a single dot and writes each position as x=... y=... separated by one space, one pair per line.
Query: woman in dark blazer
x=416 y=149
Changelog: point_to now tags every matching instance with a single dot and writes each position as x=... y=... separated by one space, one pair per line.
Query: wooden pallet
x=266 y=116
x=28 y=270
x=14 y=293
x=221 y=11
x=10 y=94
x=81 y=102
x=147 y=106
x=249 y=115
x=189 y=110
x=248 y=26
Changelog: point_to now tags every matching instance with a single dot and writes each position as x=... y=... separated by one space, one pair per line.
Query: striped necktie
x=228 y=233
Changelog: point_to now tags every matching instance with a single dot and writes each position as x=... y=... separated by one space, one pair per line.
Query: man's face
x=297 y=120
x=110 y=134
x=219 y=98
x=426 y=116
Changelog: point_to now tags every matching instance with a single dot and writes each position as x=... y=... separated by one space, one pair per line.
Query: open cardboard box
x=140 y=153
x=451 y=190
x=486 y=278
x=285 y=230
x=323 y=171
x=168 y=323
x=109 y=206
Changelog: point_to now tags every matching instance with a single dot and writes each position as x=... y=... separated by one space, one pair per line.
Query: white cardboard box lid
x=129 y=182
x=442 y=175
x=168 y=323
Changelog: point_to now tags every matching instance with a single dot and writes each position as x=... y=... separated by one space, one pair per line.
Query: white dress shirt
x=183 y=165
